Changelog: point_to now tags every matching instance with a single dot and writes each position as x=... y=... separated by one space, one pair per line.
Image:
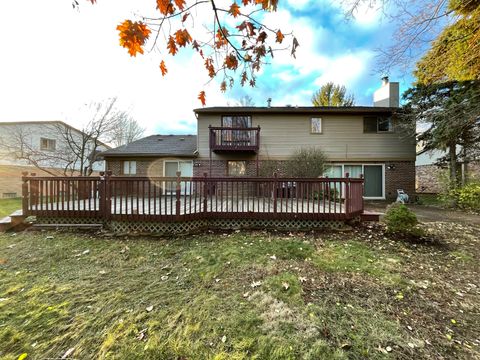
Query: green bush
x=400 y=220
x=467 y=197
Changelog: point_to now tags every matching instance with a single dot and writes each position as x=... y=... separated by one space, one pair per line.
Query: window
x=377 y=124
x=237 y=121
x=316 y=125
x=385 y=124
x=129 y=167
x=236 y=168
x=47 y=144
x=12 y=195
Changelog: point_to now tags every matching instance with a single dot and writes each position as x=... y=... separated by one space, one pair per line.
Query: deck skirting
x=185 y=227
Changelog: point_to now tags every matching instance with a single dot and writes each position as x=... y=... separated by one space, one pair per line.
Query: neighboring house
x=237 y=141
x=153 y=156
x=24 y=144
x=431 y=178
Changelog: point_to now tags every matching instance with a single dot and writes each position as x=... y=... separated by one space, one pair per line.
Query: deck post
x=361 y=195
x=347 y=195
x=177 y=196
x=101 y=195
x=275 y=185
x=108 y=194
x=205 y=193
x=25 y=194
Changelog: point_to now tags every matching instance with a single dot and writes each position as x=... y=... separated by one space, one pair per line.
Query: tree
x=417 y=24
x=224 y=48
x=331 y=94
x=246 y=101
x=76 y=151
x=125 y=130
x=450 y=112
x=454 y=55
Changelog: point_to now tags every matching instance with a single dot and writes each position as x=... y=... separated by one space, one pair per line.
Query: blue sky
x=61 y=59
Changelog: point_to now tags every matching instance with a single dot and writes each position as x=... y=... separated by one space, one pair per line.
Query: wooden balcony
x=234 y=139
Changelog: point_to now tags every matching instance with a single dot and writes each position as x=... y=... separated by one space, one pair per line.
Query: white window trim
x=321 y=126
x=129 y=167
x=363 y=172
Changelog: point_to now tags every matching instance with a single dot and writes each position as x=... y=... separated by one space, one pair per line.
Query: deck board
x=166 y=205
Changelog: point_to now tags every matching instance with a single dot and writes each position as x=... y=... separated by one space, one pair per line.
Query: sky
x=55 y=61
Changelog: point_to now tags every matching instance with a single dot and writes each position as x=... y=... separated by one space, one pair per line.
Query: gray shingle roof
x=158 y=145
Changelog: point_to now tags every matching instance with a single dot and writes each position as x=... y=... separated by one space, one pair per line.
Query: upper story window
x=237 y=121
x=47 y=144
x=129 y=167
x=316 y=125
x=377 y=124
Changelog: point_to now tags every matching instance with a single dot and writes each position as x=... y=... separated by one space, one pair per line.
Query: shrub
x=466 y=197
x=400 y=220
x=306 y=162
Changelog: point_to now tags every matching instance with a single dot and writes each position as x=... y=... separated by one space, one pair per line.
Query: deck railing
x=179 y=199
x=234 y=139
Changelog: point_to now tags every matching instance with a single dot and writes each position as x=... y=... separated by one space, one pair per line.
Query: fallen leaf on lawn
x=149 y=308
x=273 y=257
x=102 y=272
x=389 y=348
x=68 y=353
x=224 y=338
x=302 y=279
x=217 y=280
x=285 y=285
x=247 y=294
x=164 y=277
x=85 y=252
x=23 y=356
x=256 y=284
x=3 y=261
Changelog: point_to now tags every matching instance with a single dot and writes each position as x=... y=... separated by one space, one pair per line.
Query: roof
x=360 y=110
x=157 y=145
x=49 y=122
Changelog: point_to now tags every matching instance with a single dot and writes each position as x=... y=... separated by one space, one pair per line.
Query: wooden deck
x=166 y=205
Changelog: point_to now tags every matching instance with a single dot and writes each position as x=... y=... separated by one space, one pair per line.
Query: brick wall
x=432 y=179
x=401 y=177
x=151 y=167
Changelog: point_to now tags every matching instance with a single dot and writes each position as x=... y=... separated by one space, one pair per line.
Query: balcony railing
x=234 y=139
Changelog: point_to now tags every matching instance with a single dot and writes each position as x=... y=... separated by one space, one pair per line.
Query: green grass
x=7 y=206
x=235 y=296
x=430 y=200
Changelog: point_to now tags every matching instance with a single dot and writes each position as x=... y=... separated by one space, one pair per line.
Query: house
x=359 y=140
x=153 y=156
x=41 y=147
x=239 y=141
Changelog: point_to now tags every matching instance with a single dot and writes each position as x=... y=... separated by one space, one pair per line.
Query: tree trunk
x=453 y=166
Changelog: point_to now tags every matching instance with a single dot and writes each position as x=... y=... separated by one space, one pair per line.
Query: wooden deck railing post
x=25 y=194
x=205 y=193
x=101 y=194
x=177 y=195
x=275 y=186
x=362 y=191
x=108 y=195
x=347 y=195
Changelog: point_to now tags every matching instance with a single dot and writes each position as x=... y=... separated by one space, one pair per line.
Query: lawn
x=7 y=206
x=240 y=295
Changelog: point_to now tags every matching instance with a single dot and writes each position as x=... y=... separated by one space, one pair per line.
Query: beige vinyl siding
x=342 y=138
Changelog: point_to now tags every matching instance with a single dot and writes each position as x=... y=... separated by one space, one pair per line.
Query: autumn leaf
x=210 y=68
x=133 y=36
x=201 y=97
x=231 y=61
x=184 y=17
x=223 y=86
x=280 y=37
x=234 y=10
x=172 y=47
x=182 y=37
x=166 y=7
x=180 y=4
x=163 y=68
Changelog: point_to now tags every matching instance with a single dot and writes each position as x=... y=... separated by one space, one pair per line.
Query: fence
x=174 y=199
